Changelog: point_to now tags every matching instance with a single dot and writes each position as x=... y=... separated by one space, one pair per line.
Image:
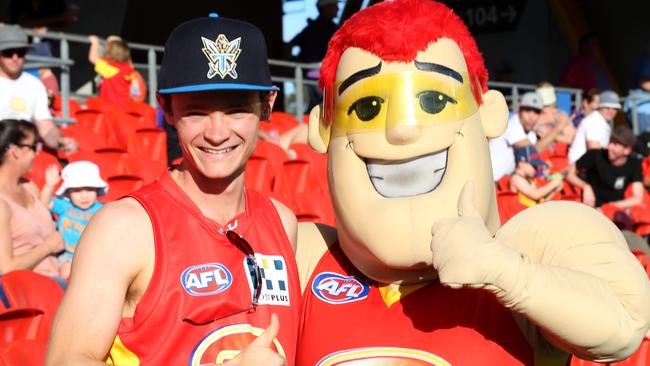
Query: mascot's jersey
x=347 y=322
x=194 y=311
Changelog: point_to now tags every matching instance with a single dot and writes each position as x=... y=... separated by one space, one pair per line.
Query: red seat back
x=24 y=352
x=121 y=185
x=279 y=123
x=41 y=162
x=28 y=289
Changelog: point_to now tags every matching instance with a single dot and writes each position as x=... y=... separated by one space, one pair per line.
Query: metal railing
x=296 y=69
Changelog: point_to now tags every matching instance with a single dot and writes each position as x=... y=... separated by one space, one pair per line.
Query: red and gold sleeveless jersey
x=347 y=321
x=195 y=309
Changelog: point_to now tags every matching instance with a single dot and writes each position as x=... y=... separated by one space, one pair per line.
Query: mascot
x=418 y=271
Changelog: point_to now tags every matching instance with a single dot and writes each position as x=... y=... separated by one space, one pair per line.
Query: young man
x=519 y=133
x=191 y=269
x=607 y=173
x=595 y=129
x=23 y=96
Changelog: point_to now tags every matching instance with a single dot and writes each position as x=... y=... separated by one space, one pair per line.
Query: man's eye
x=366 y=108
x=434 y=102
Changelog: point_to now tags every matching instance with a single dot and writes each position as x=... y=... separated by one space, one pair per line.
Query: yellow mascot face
x=403 y=140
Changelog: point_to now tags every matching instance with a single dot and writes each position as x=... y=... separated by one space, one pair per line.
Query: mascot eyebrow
x=428 y=66
x=358 y=76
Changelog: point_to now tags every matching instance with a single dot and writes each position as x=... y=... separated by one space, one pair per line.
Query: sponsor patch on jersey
x=225 y=343
x=386 y=356
x=275 y=280
x=206 y=279
x=338 y=289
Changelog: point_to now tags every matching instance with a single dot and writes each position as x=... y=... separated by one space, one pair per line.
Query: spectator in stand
x=28 y=239
x=585 y=71
x=518 y=134
x=604 y=174
x=641 y=97
x=118 y=76
x=523 y=181
x=54 y=14
x=75 y=204
x=588 y=104
x=22 y=96
x=554 y=125
x=313 y=40
x=594 y=130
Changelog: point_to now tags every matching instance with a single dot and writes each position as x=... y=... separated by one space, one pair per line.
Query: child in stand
x=118 y=75
x=523 y=179
x=75 y=203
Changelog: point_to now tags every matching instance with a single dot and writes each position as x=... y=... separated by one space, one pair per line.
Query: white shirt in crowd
x=501 y=151
x=23 y=98
x=593 y=127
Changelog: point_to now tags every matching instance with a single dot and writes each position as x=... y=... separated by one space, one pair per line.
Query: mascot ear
x=319 y=132
x=494 y=113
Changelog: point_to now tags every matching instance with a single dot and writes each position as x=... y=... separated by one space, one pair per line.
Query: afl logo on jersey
x=338 y=289
x=388 y=356
x=206 y=279
x=225 y=343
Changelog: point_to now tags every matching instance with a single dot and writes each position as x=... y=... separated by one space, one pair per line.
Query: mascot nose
x=403 y=134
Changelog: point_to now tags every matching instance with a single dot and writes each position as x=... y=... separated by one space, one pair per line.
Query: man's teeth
x=407 y=178
x=217 y=151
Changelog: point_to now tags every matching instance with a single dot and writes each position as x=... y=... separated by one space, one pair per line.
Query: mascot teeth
x=407 y=178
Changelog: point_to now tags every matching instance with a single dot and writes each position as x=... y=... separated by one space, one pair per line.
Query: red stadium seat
x=150 y=143
x=24 y=352
x=73 y=107
x=18 y=323
x=558 y=163
x=111 y=162
x=121 y=185
x=279 y=123
x=145 y=113
x=314 y=207
x=86 y=139
x=97 y=122
x=575 y=361
x=27 y=289
x=503 y=184
x=41 y=162
x=103 y=105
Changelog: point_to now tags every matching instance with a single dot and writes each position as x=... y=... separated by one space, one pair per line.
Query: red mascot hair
x=397 y=30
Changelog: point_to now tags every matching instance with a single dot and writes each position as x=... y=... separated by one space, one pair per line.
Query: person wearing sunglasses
x=28 y=237
x=193 y=269
x=22 y=95
x=421 y=271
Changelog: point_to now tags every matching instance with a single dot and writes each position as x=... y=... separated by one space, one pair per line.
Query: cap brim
x=610 y=105
x=12 y=45
x=207 y=87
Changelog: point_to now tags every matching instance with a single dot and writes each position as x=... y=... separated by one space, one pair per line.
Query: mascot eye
x=366 y=108
x=433 y=102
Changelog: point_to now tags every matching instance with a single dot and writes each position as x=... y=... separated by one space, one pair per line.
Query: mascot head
x=405 y=121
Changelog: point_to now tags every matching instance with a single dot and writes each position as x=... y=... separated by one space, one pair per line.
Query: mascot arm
x=313 y=241
x=576 y=281
x=561 y=266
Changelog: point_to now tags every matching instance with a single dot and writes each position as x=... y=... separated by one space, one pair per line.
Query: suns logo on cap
x=222 y=56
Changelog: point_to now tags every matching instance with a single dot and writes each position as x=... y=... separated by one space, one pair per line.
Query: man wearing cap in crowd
x=519 y=133
x=595 y=129
x=554 y=125
x=210 y=264
x=23 y=96
x=605 y=174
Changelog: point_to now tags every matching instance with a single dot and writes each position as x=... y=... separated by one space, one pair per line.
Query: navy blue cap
x=214 y=53
x=529 y=154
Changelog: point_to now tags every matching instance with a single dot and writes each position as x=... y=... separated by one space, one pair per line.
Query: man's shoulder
x=28 y=79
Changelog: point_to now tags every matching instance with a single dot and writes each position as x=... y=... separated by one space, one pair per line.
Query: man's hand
x=259 y=351
x=68 y=144
x=588 y=196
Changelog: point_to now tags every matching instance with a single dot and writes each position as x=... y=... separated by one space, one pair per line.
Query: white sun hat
x=82 y=174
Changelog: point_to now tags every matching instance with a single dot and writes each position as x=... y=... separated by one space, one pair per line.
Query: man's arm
x=588 y=196
x=52 y=136
x=593 y=145
x=89 y=315
x=289 y=222
x=635 y=199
